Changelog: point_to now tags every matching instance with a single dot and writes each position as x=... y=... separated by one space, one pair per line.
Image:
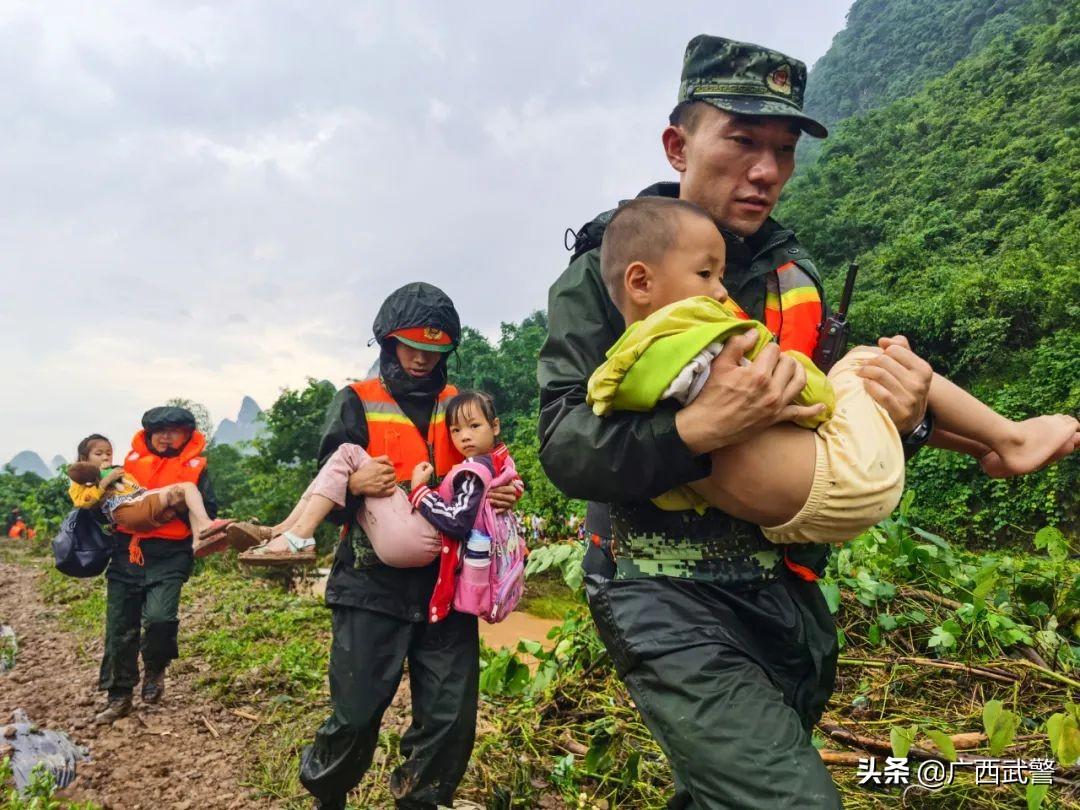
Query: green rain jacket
x=626 y=459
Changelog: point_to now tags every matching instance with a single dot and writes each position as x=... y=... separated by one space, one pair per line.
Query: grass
x=83 y=601
x=253 y=646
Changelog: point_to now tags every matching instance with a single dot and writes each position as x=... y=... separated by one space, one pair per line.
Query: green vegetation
x=43 y=502
x=937 y=642
x=890 y=48
x=959 y=203
x=84 y=601
x=548 y=596
x=958 y=617
x=39 y=793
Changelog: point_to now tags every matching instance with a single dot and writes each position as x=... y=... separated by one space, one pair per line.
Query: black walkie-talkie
x=834 y=330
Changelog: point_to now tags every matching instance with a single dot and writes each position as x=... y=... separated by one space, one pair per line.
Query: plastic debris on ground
x=31 y=745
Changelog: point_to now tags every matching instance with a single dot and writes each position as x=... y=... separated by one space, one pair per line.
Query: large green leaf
x=944 y=744
x=902 y=738
x=1035 y=795
x=831 y=592
x=1063 y=729
x=1000 y=725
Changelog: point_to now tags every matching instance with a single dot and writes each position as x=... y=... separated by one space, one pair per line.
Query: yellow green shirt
x=87 y=496
x=652 y=352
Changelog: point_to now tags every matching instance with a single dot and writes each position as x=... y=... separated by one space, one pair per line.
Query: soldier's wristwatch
x=920 y=435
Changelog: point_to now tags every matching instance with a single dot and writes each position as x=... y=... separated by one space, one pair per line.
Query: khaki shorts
x=145 y=514
x=859 y=471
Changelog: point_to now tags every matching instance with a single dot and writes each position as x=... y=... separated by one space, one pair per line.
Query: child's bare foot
x=1036 y=443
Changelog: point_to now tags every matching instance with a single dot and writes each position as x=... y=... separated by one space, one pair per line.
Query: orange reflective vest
x=391 y=433
x=793 y=310
x=154 y=472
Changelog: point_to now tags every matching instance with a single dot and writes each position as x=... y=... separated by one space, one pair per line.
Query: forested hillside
x=960 y=202
x=891 y=48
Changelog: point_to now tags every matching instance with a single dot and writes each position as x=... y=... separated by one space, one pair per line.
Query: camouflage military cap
x=747 y=80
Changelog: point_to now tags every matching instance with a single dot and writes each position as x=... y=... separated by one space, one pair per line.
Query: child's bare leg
x=327 y=492
x=766 y=479
x=1012 y=448
x=188 y=496
x=945 y=440
x=313 y=510
x=293 y=516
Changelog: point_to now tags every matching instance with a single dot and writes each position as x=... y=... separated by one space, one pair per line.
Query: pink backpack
x=493 y=592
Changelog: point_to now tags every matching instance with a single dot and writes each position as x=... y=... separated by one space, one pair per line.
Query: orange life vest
x=391 y=433
x=793 y=310
x=154 y=472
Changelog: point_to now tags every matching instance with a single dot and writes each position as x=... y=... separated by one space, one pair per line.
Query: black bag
x=81 y=548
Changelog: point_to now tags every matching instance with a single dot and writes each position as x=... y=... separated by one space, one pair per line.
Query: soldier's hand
x=899 y=380
x=376 y=478
x=739 y=400
x=504 y=497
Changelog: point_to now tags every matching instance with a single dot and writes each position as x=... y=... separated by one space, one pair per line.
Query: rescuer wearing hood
x=380 y=613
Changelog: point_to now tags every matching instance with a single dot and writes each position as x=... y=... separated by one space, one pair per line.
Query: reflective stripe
x=799 y=295
x=793 y=308
x=376 y=406
x=396 y=418
x=392 y=433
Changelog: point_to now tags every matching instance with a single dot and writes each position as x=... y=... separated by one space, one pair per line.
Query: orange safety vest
x=391 y=433
x=793 y=310
x=155 y=472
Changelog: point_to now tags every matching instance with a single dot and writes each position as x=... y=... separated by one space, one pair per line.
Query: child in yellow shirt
x=97 y=484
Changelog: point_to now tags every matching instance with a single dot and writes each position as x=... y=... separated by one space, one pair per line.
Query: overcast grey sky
x=211 y=200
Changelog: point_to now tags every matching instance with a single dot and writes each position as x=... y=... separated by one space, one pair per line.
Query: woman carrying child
x=148 y=568
x=381 y=613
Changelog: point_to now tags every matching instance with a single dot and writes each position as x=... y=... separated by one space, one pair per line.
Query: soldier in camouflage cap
x=746 y=79
x=723 y=639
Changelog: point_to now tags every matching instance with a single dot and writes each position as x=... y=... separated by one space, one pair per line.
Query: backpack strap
x=591 y=233
x=471 y=466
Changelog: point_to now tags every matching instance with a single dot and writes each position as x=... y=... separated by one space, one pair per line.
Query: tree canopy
x=960 y=203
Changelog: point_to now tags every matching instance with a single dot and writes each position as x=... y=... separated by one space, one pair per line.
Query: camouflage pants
x=729 y=683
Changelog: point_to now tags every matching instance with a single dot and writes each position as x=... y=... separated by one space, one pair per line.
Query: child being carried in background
x=123 y=502
x=662 y=261
x=403 y=538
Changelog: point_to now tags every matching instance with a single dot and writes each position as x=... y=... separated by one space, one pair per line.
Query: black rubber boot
x=153 y=688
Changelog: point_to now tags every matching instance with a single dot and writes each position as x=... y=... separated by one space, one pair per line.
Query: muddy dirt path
x=185 y=754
